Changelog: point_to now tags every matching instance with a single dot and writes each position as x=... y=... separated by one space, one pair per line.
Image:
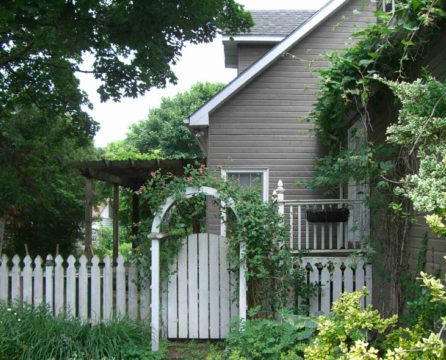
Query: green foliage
x=41 y=196
x=259 y=339
x=104 y=244
x=43 y=43
x=271 y=269
x=351 y=332
x=28 y=333
x=421 y=129
x=164 y=132
x=122 y=150
x=347 y=84
x=43 y=122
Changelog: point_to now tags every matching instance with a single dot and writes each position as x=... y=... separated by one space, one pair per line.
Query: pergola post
x=135 y=219
x=115 y=222
x=88 y=218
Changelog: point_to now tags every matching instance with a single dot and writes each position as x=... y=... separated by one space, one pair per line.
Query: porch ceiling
x=130 y=173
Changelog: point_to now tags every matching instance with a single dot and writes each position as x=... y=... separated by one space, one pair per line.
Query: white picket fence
x=335 y=275
x=93 y=292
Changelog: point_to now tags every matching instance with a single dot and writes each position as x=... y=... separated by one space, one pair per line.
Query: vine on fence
x=271 y=269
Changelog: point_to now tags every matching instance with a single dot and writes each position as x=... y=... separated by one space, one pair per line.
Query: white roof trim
x=201 y=116
x=253 y=38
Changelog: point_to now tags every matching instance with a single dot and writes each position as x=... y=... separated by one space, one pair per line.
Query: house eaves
x=270 y=27
x=201 y=117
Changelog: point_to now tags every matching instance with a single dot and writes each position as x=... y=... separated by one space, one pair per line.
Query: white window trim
x=246 y=170
x=265 y=185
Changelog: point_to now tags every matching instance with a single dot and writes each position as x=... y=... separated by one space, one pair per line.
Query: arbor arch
x=156 y=236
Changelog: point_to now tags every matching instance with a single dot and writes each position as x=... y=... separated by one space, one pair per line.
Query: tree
x=164 y=131
x=41 y=196
x=134 y=43
x=43 y=121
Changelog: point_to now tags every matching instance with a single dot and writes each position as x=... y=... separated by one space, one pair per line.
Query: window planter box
x=328 y=215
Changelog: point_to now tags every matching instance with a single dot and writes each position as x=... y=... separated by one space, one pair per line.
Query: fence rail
x=94 y=292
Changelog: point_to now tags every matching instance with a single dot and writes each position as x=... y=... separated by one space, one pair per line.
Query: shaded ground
x=190 y=349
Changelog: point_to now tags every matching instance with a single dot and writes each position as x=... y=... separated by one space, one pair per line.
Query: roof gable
x=201 y=116
x=270 y=26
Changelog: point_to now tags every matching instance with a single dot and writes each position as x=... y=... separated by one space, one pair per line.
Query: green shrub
x=32 y=333
x=267 y=339
x=351 y=332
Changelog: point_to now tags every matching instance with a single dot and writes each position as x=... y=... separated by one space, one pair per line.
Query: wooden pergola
x=131 y=174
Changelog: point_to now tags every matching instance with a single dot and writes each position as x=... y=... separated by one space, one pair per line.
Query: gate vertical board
x=182 y=292
x=224 y=287
x=203 y=280
x=198 y=293
x=214 y=288
x=172 y=303
x=192 y=291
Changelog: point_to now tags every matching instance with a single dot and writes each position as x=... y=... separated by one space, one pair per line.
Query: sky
x=199 y=63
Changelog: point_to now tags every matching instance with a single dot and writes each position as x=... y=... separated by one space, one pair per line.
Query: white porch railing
x=325 y=226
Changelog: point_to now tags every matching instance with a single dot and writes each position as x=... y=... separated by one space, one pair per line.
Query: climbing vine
x=356 y=85
x=271 y=269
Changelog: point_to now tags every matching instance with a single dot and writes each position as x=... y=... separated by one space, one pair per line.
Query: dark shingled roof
x=277 y=22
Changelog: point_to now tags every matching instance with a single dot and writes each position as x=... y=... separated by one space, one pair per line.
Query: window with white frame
x=249 y=177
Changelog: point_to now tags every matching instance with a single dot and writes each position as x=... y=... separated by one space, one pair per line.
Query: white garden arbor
x=156 y=237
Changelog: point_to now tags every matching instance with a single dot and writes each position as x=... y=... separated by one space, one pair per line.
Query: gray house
x=255 y=130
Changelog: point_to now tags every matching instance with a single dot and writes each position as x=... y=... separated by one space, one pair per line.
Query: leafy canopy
x=134 y=44
x=164 y=132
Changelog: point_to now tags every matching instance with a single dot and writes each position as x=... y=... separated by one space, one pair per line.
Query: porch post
x=280 y=197
x=242 y=285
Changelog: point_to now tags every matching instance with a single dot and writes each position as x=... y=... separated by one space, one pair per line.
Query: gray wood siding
x=249 y=53
x=263 y=125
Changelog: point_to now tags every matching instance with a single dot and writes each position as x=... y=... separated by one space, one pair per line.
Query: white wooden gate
x=198 y=303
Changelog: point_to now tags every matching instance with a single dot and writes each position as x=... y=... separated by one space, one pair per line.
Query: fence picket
x=89 y=291
x=95 y=313
x=120 y=287
x=38 y=281
x=133 y=293
x=27 y=274
x=49 y=281
x=107 y=310
x=83 y=288
x=15 y=279
x=71 y=286
x=59 y=279
x=4 y=279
